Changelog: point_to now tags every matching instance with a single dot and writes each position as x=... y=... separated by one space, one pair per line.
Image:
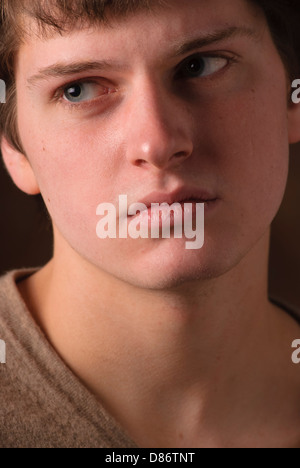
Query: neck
x=140 y=350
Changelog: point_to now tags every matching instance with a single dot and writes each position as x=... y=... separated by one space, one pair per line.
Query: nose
x=158 y=127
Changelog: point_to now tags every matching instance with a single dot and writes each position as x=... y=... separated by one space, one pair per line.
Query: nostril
x=140 y=162
x=180 y=154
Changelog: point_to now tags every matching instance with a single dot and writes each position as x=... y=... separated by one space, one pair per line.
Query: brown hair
x=60 y=15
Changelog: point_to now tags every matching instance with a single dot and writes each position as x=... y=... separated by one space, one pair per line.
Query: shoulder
x=12 y=307
x=43 y=404
x=15 y=348
x=15 y=319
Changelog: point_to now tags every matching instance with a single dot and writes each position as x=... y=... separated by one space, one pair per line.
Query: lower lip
x=155 y=216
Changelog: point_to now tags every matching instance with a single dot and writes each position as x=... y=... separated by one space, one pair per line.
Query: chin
x=169 y=272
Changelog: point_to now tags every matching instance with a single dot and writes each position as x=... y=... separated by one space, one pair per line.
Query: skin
x=158 y=333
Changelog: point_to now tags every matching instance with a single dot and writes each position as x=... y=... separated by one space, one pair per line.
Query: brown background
x=26 y=241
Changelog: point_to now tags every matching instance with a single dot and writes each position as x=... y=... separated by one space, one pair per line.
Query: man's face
x=150 y=120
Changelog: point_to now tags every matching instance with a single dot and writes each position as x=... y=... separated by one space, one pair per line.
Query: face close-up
x=190 y=95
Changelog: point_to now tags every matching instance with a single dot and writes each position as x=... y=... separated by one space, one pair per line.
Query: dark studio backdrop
x=26 y=238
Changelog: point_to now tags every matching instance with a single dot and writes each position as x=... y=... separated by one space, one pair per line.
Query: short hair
x=60 y=15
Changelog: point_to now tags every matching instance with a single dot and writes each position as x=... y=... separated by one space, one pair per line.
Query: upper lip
x=180 y=195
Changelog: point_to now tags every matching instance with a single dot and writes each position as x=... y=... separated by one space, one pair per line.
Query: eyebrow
x=59 y=70
x=217 y=36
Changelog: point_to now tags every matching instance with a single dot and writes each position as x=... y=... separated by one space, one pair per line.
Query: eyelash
x=228 y=57
x=58 y=95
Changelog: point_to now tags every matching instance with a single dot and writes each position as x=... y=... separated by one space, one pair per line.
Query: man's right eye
x=82 y=92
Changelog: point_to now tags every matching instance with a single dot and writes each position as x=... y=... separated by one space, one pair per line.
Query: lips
x=182 y=195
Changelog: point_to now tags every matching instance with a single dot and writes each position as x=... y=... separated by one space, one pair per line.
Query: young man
x=141 y=342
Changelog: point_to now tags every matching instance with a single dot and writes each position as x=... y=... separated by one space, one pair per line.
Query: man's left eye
x=81 y=92
x=201 y=66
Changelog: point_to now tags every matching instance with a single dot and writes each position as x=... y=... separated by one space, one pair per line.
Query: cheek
x=76 y=168
x=249 y=149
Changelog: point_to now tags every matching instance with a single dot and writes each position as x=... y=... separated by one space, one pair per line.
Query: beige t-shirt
x=42 y=403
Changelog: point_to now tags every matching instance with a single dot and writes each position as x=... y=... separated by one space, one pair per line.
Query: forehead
x=158 y=32
x=60 y=14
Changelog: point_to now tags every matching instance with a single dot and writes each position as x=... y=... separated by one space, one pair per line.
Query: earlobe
x=19 y=168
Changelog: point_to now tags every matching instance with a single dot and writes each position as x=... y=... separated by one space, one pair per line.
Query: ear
x=294 y=114
x=19 y=168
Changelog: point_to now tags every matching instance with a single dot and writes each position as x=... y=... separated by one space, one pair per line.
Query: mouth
x=159 y=210
x=180 y=197
x=206 y=202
